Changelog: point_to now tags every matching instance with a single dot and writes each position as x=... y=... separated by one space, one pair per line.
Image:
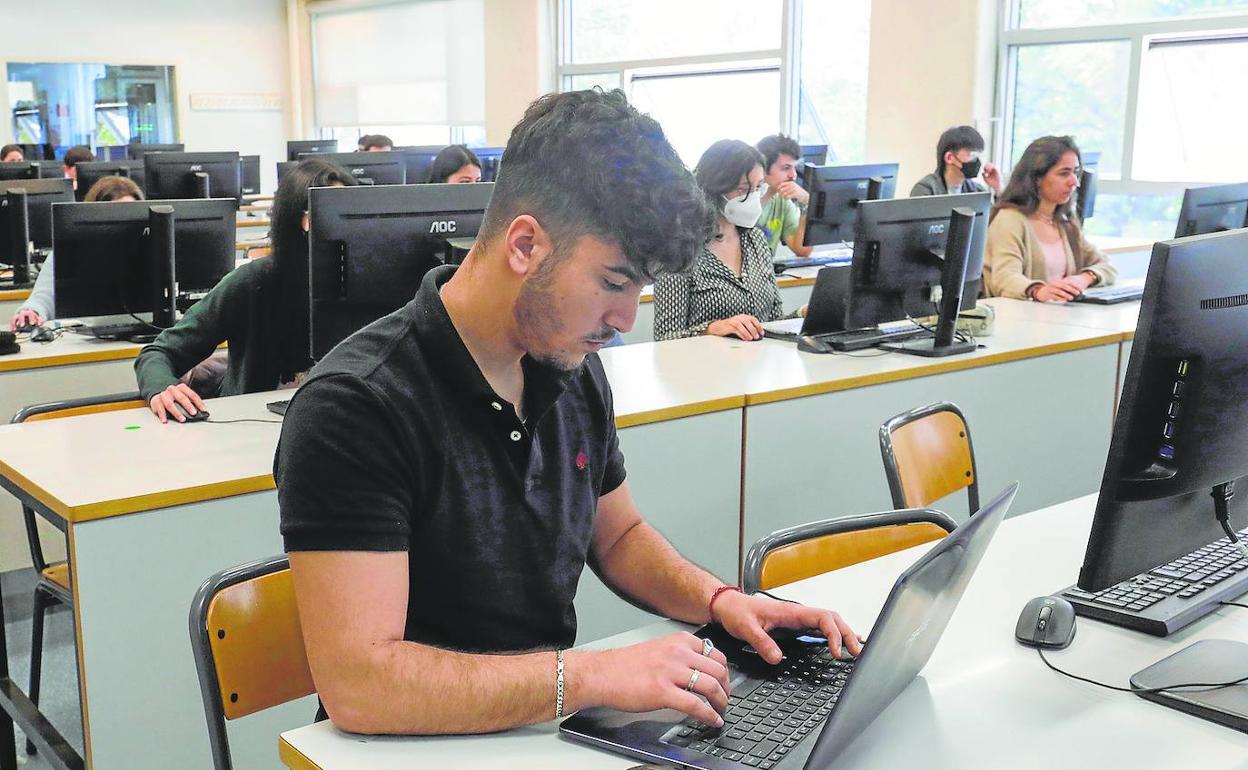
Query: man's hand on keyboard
x=749 y=618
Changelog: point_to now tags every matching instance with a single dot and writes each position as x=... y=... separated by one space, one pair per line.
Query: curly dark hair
x=772 y=147
x=450 y=160
x=721 y=167
x=588 y=163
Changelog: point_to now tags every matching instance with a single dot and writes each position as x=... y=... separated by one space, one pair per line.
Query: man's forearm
x=643 y=565
x=404 y=688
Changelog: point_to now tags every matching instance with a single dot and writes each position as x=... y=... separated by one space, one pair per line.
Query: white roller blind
x=410 y=63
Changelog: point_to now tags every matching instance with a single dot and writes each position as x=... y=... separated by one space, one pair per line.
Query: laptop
x=825 y=317
x=804 y=712
x=1131 y=290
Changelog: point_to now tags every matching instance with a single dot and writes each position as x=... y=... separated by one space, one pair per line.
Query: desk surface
x=983 y=700
x=91 y=467
x=14 y=295
x=1120 y=318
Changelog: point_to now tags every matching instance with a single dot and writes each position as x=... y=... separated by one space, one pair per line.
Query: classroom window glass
x=832 y=107
x=610 y=30
x=1073 y=13
x=1192 y=114
x=1072 y=89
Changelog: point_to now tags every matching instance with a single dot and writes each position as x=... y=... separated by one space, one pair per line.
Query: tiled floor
x=59 y=691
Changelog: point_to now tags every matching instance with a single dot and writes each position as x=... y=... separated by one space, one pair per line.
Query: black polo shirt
x=397 y=443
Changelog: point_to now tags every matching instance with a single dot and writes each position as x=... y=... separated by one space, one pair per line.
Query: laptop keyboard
x=770 y=716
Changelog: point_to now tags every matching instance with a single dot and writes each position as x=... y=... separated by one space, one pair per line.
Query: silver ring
x=707 y=646
x=693 y=679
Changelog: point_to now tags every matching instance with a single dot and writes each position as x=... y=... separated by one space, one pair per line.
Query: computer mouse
x=1046 y=621
x=41 y=334
x=199 y=416
x=809 y=344
x=23 y=328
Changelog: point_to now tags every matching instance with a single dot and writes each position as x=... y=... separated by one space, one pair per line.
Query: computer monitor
x=835 y=192
x=368 y=168
x=113 y=259
x=37 y=151
x=1213 y=209
x=183 y=175
x=418 y=160
x=138 y=151
x=1182 y=422
x=90 y=172
x=112 y=152
x=19 y=169
x=249 y=171
x=903 y=250
x=369 y=248
x=40 y=195
x=491 y=161
x=1085 y=201
x=51 y=169
x=814 y=154
x=282 y=168
x=298 y=147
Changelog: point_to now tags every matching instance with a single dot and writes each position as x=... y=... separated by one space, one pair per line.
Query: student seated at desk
x=73 y=156
x=785 y=201
x=958 y=166
x=375 y=143
x=12 y=153
x=1036 y=248
x=260 y=309
x=40 y=306
x=445 y=474
x=455 y=165
x=731 y=289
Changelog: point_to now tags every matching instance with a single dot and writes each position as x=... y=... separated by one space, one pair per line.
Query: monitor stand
x=1209 y=660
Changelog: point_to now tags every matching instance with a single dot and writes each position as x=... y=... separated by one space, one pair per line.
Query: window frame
x=1140 y=35
x=788 y=55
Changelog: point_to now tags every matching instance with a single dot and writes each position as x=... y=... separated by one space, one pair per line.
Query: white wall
x=932 y=66
x=220 y=46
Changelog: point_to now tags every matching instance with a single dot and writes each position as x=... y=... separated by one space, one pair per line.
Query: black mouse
x=809 y=344
x=1046 y=621
x=41 y=334
x=199 y=416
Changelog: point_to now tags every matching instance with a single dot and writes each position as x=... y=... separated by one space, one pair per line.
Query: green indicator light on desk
x=133 y=427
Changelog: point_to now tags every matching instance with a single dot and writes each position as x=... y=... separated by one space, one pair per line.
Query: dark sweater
x=234 y=312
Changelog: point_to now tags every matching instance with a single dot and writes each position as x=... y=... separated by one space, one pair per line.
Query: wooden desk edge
x=676 y=412
x=14 y=295
x=293 y=758
x=68 y=359
x=939 y=366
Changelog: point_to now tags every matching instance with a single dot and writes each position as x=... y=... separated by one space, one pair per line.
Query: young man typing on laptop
x=445 y=475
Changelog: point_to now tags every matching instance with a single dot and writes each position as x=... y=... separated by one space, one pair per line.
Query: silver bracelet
x=558 y=684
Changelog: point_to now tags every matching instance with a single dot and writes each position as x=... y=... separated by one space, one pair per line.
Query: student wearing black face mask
x=958 y=166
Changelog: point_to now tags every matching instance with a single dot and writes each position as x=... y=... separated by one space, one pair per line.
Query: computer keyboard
x=861 y=339
x=764 y=722
x=1169 y=597
x=1109 y=295
x=115 y=331
x=816 y=260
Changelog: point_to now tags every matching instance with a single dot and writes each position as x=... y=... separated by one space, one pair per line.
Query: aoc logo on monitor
x=938 y=229
x=196 y=167
x=862 y=185
x=442 y=226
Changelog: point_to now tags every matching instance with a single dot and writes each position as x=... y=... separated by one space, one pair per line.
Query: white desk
x=982 y=702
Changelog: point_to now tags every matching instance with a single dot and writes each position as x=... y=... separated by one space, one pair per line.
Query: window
x=98 y=105
x=682 y=101
x=413 y=71
x=727 y=69
x=832 y=109
x=1072 y=13
x=1151 y=84
x=1192 y=112
x=1075 y=89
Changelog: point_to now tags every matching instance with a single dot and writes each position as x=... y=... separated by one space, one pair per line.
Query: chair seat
x=57 y=573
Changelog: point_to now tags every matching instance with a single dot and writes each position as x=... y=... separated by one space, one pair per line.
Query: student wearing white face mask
x=958 y=166
x=731 y=289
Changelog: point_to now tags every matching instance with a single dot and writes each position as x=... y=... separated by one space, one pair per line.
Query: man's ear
x=526 y=244
x=306 y=221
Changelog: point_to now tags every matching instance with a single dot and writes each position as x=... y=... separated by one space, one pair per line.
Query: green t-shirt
x=779 y=220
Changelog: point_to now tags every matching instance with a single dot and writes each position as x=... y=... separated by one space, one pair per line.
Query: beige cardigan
x=1014 y=258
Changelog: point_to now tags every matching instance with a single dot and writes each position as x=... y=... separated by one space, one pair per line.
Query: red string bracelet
x=710 y=606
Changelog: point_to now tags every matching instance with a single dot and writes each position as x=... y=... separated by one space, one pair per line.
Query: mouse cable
x=226 y=422
x=1142 y=690
x=777 y=598
x=1235 y=604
